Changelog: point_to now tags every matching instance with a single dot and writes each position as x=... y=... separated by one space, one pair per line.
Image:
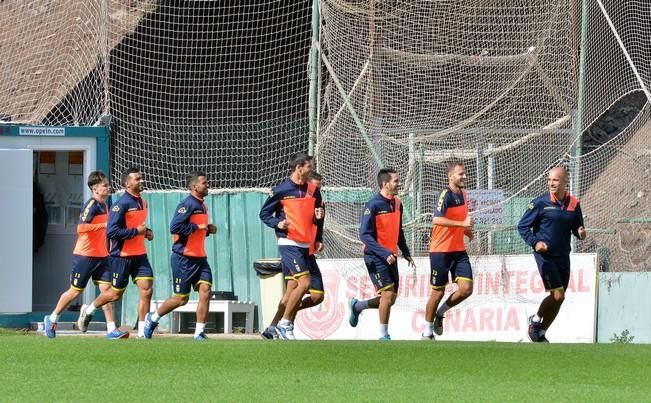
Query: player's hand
x=318 y=246
x=284 y=224
x=468 y=222
x=211 y=228
x=142 y=228
x=149 y=234
x=582 y=233
x=410 y=261
x=391 y=259
x=319 y=213
x=468 y=232
x=540 y=247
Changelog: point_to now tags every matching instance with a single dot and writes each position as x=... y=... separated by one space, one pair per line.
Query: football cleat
x=200 y=337
x=534 y=331
x=116 y=334
x=438 y=325
x=50 y=327
x=285 y=332
x=353 y=319
x=269 y=333
x=150 y=326
x=84 y=319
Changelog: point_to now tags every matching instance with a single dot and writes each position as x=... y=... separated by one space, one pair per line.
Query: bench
x=226 y=307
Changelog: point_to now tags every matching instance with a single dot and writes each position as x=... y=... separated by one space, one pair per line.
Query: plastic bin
x=272 y=287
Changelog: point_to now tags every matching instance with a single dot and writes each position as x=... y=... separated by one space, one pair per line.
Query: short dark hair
x=298 y=159
x=385 y=176
x=453 y=164
x=314 y=175
x=192 y=178
x=127 y=172
x=95 y=178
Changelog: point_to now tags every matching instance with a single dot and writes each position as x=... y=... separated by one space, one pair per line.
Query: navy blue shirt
x=116 y=227
x=379 y=204
x=272 y=211
x=182 y=224
x=551 y=221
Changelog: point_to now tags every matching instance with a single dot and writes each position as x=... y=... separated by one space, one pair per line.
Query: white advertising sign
x=486 y=204
x=507 y=289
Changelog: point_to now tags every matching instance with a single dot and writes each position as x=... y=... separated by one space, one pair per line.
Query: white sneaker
x=290 y=332
x=84 y=320
x=285 y=332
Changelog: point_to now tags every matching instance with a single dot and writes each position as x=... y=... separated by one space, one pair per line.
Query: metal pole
x=419 y=196
x=412 y=187
x=578 y=147
x=314 y=78
x=490 y=177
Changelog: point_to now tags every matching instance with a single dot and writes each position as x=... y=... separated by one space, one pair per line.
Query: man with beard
x=447 y=251
x=190 y=267
x=126 y=232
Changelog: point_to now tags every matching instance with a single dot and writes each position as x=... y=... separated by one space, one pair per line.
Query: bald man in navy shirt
x=547 y=226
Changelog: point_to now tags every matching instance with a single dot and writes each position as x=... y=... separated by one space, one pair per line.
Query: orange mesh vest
x=196 y=245
x=388 y=228
x=313 y=243
x=93 y=243
x=450 y=239
x=300 y=214
x=136 y=245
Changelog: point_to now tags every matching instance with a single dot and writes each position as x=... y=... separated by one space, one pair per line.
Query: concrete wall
x=624 y=304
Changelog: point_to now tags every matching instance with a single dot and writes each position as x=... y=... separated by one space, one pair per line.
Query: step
x=93 y=326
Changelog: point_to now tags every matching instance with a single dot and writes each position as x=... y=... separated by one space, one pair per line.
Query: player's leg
x=315 y=291
x=185 y=272
x=112 y=331
x=439 y=273
x=556 y=297
x=462 y=275
x=82 y=269
x=270 y=331
x=374 y=267
x=204 y=290
x=294 y=264
x=143 y=277
x=550 y=305
x=286 y=325
x=388 y=297
x=203 y=286
x=117 y=267
x=102 y=278
x=313 y=298
x=50 y=321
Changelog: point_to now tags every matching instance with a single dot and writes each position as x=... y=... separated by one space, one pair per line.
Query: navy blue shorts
x=85 y=267
x=383 y=275
x=444 y=264
x=293 y=260
x=137 y=267
x=189 y=272
x=316 y=279
x=554 y=270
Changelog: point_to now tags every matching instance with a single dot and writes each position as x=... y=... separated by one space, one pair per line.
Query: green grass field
x=171 y=369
